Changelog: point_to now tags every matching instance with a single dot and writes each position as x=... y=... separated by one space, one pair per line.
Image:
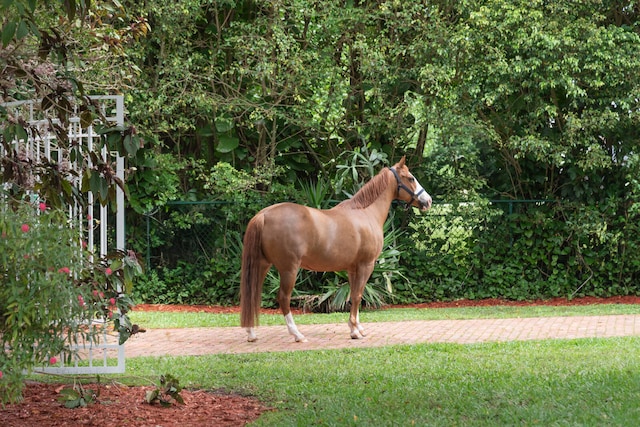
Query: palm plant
x=357 y=168
x=317 y=194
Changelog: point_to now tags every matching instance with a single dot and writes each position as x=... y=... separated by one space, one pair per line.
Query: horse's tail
x=251 y=274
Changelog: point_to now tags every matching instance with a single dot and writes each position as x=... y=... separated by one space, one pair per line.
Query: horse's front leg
x=287 y=281
x=357 y=331
x=293 y=329
x=357 y=281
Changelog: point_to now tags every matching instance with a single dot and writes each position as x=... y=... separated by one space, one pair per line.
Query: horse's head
x=409 y=189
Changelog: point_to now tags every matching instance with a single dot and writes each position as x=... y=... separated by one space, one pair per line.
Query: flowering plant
x=52 y=289
x=106 y=284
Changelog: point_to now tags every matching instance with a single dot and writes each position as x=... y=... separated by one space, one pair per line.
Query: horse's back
x=322 y=240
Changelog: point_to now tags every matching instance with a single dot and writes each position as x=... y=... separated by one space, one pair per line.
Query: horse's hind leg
x=287 y=282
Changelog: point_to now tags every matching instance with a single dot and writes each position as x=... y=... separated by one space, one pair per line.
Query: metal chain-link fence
x=193 y=252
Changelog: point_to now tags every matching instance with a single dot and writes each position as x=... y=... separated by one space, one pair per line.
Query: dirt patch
x=121 y=405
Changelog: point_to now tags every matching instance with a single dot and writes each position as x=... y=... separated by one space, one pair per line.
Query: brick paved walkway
x=200 y=341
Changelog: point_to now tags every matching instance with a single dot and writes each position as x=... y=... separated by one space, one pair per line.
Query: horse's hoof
x=355 y=336
x=251 y=335
x=301 y=339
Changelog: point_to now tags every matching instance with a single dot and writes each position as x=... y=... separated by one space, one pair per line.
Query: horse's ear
x=402 y=160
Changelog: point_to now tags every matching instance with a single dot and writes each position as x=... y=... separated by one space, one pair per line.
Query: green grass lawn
x=588 y=382
x=191 y=320
x=585 y=382
x=582 y=382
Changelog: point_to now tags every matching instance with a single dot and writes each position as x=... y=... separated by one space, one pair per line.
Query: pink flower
x=81 y=300
x=112 y=301
x=95 y=293
x=110 y=315
x=89 y=217
x=101 y=294
x=25 y=228
x=0 y=375
x=64 y=270
x=84 y=245
x=42 y=206
x=53 y=361
x=108 y=271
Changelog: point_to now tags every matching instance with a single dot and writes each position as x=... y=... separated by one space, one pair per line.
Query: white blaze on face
x=423 y=197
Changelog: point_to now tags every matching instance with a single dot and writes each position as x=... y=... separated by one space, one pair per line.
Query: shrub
x=51 y=290
x=537 y=250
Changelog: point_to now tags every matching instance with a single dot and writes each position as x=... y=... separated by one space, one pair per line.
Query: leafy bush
x=537 y=250
x=512 y=249
x=195 y=247
x=52 y=290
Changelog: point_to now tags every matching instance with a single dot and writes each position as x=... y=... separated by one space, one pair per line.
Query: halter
x=401 y=186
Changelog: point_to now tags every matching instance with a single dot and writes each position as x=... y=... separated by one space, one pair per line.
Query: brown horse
x=347 y=238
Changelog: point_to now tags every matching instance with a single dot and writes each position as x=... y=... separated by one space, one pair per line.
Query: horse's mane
x=369 y=192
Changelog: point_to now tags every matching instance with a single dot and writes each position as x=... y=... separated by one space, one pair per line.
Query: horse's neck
x=380 y=208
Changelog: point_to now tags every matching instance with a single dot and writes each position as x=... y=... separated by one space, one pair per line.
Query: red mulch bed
x=122 y=405
x=119 y=405
x=447 y=304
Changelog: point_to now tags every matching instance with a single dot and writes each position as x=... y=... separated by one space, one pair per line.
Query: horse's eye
x=412 y=179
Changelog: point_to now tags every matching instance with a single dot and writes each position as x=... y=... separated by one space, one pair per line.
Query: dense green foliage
x=491 y=100
x=252 y=102
x=539 y=250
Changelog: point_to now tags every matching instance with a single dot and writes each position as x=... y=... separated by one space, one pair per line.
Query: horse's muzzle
x=425 y=202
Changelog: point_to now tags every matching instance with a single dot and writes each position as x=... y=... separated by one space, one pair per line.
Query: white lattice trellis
x=89 y=357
